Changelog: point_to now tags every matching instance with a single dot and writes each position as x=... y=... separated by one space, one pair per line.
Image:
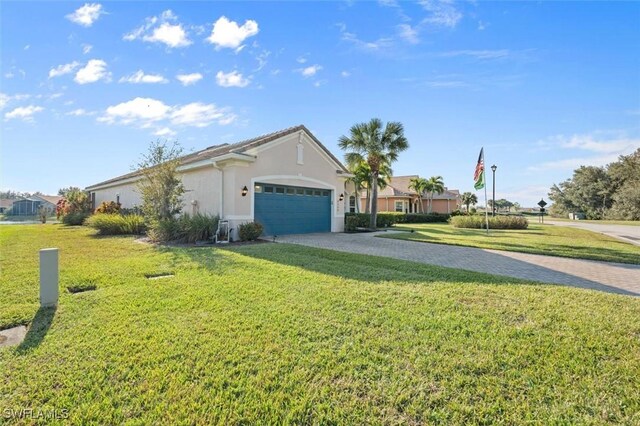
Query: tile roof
x=234 y=148
x=6 y=203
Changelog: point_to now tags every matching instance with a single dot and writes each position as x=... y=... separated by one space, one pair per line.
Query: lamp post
x=493 y=204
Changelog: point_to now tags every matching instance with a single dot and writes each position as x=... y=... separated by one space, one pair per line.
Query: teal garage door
x=291 y=209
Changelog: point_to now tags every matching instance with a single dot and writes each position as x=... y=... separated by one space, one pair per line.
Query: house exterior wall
x=388 y=204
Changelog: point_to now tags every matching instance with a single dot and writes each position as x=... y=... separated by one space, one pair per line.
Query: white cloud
x=231 y=79
x=95 y=70
x=145 y=112
x=608 y=149
x=262 y=59
x=23 y=113
x=377 y=45
x=79 y=112
x=198 y=114
x=442 y=13
x=158 y=29
x=86 y=48
x=86 y=15
x=408 y=33
x=228 y=34
x=345 y=74
x=165 y=131
x=189 y=79
x=310 y=71
x=301 y=60
x=319 y=83
x=140 y=77
x=63 y=69
x=6 y=99
x=478 y=54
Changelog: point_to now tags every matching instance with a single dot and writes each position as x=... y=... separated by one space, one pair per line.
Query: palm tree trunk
x=367 y=202
x=374 y=200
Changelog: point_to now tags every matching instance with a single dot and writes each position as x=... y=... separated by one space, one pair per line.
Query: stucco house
x=397 y=197
x=287 y=180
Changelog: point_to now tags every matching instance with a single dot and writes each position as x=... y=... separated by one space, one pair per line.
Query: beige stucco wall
x=387 y=204
x=275 y=162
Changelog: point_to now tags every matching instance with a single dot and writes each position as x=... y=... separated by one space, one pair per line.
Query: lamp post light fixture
x=341 y=198
x=493 y=204
x=244 y=191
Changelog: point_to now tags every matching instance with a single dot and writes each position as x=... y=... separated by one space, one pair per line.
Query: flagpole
x=486 y=204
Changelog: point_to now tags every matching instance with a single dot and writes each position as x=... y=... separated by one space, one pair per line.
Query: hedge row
x=497 y=222
x=386 y=219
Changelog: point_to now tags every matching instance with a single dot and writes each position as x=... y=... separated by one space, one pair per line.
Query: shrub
x=426 y=218
x=497 y=222
x=164 y=230
x=75 y=219
x=350 y=223
x=383 y=220
x=250 y=231
x=110 y=207
x=199 y=227
x=115 y=224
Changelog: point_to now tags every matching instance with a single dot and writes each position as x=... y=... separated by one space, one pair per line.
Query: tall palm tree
x=419 y=185
x=377 y=146
x=469 y=198
x=435 y=185
x=362 y=180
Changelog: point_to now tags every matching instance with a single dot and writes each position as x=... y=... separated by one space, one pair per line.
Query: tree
x=161 y=188
x=590 y=190
x=469 y=198
x=377 y=146
x=435 y=185
x=419 y=185
x=362 y=179
x=63 y=191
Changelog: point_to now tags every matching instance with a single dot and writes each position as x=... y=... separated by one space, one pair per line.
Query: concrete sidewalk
x=604 y=276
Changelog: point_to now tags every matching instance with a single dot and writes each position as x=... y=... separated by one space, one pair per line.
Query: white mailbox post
x=48 y=277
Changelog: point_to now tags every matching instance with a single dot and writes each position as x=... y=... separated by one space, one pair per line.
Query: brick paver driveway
x=604 y=276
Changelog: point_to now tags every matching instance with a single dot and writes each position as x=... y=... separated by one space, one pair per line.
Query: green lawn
x=276 y=334
x=538 y=239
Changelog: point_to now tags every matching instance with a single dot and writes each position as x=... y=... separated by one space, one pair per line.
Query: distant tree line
x=610 y=192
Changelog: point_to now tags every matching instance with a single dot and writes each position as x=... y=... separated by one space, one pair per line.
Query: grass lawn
x=276 y=334
x=538 y=239
x=597 y=222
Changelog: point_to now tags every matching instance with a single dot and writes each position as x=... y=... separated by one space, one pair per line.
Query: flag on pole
x=478 y=176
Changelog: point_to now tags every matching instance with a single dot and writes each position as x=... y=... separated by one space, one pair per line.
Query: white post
x=48 y=277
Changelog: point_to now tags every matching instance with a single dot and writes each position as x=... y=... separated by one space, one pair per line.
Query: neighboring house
x=287 y=181
x=30 y=206
x=397 y=197
x=5 y=204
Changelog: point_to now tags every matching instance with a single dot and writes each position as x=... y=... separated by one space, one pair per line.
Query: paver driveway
x=604 y=276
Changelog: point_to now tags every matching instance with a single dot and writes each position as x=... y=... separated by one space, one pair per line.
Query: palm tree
x=419 y=185
x=362 y=180
x=469 y=198
x=378 y=147
x=435 y=185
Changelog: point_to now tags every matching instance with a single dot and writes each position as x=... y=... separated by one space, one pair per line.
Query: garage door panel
x=292 y=210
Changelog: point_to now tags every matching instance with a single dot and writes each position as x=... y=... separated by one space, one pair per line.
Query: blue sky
x=543 y=86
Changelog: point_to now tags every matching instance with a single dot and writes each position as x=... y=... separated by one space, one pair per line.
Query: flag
x=478 y=176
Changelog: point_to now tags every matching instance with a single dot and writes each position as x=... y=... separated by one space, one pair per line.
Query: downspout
x=215 y=165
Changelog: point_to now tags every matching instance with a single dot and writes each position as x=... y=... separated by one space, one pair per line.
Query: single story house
x=397 y=197
x=5 y=204
x=288 y=181
x=31 y=206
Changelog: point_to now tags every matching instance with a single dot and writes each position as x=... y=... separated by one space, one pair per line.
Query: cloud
x=345 y=74
x=159 y=29
x=301 y=60
x=446 y=84
x=379 y=44
x=23 y=113
x=6 y=99
x=86 y=48
x=441 y=13
x=79 y=112
x=309 y=71
x=608 y=149
x=146 y=112
x=228 y=34
x=262 y=59
x=231 y=79
x=140 y=77
x=95 y=70
x=189 y=79
x=63 y=69
x=408 y=33
x=198 y=114
x=165 y=131
x=86 y=15
x=478 y=54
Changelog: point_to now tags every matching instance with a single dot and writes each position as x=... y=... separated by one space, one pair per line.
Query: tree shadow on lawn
x=37 y=329
x=376 y=269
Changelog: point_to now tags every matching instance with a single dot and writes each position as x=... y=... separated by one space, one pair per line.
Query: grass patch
x=597 y=222
x=538 y=239
x=276 y=333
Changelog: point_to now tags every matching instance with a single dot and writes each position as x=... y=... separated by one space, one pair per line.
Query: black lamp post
x=493 y=204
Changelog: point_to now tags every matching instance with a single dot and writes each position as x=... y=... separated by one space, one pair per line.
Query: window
x=268 y=189
x=279 y=190
x=299 y=191
x=291 y=191
x=308 y=192
x=317 y=193
x=352 y=204
x=257 y=189
x=400 y=206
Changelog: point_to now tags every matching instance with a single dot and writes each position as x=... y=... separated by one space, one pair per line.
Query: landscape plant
x=378 y=146
x=495 y=222
x=108 y=207
x=117 y=224
x=250 y=231
x=469 y=198
x=419 y=186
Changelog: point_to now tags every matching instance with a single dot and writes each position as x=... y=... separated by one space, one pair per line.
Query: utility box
x=48 y=277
